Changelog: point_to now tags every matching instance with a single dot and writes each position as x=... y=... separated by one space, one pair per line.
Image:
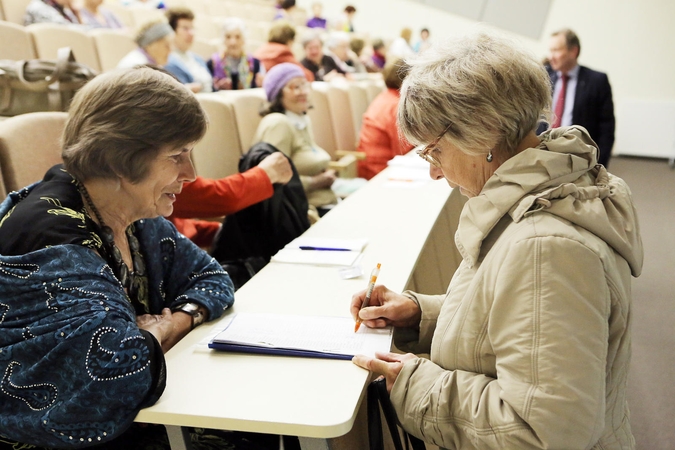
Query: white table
x=315 y=399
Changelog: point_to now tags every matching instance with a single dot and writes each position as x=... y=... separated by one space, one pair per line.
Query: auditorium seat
x=142 y=15
x=111 y=46
x=217 y=154
x=50 y=37
x=205 y=47
x=26 y=155
x=341 y=115
x=358 y=98
x=123 y=13
x=22 y=46
x=14 y=10
x=207 y=27
x=246 y=104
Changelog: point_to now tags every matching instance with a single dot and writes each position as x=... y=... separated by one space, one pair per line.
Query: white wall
x=633 y=41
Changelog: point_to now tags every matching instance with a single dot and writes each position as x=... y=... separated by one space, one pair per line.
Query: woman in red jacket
x=379 y=138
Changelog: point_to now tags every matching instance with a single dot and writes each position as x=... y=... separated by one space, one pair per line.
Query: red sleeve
x=201 y=232
x=205 y=197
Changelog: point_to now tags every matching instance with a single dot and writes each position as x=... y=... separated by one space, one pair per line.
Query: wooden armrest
x=360 y=156
x=345 y=166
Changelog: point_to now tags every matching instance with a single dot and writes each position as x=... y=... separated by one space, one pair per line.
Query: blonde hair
x=488 y=91
x=282 y=32
x=119 y=122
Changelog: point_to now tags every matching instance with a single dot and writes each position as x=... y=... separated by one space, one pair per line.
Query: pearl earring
x=489 y=157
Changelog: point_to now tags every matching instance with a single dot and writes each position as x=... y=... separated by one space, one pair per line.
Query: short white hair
x=234 y=23
x=336 y=38
x=483 y=86
x=310 y=36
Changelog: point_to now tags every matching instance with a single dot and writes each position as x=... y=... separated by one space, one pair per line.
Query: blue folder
x=239 y=348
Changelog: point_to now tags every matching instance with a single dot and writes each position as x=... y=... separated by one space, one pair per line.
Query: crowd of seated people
x=90 y=14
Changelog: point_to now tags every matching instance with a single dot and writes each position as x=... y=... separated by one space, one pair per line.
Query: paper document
x=309 y=336
x=321 y=251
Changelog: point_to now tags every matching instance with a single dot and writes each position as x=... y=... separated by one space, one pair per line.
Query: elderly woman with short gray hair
x=530 y=345
x=155 y=42
x=232 y=68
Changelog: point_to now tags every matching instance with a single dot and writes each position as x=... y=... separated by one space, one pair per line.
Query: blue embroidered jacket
x=74 y=367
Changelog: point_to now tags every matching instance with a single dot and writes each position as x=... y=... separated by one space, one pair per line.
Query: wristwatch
x=193 y=310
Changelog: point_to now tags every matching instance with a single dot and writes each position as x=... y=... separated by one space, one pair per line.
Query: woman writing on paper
x=530 y=346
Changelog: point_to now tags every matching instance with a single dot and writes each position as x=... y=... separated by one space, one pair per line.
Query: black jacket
x=264 y=228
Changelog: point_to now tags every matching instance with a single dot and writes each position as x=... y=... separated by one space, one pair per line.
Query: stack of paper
x=309 y=336
x=321 y=251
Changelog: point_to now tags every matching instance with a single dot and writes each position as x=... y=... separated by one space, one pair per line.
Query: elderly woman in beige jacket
x=530 y=345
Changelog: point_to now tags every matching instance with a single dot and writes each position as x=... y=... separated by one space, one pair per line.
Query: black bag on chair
x=250 y=237
x=379 y=397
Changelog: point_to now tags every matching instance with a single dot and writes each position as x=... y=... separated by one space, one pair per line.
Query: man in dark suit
x=581 y=96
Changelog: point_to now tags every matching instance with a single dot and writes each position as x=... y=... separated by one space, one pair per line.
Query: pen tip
x=356 y=327
x=378 y=265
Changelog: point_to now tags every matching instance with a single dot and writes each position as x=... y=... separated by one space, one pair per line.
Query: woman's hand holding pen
x=387 y=364
x=385 y=307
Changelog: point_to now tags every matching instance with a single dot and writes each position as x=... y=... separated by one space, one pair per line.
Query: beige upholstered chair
x=358 y=97
x=319 y=114
x=205 y=47
x=207 y=27
x=217 y=154
x=341 y=115
x=29 y=145
x=111 y=46
x=246 y=104
x=14 y=10
x=123 y=13
x=142 y=15
x=17 y=43
x=2 y=11
x=50 y=37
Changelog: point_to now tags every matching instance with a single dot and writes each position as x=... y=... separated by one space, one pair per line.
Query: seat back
x=246 y=104
x=217 y=154
x=208 y=27
x=49 y=38
x=205 y=47
x=142 y=15
x=358 y=98
x=2 y=11
x=341 y=116
x=319 y=114
x=111 y=46
x=21 y=47
x=29 y=145
x=123 y=13
x=15 y=10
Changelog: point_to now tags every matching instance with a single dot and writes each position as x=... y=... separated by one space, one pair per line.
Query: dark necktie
x=560 y=104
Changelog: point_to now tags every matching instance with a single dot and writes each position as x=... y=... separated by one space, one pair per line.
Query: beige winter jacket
x=530 y=347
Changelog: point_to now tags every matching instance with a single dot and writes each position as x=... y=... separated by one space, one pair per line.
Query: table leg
x=314 y=444
x=179 y=437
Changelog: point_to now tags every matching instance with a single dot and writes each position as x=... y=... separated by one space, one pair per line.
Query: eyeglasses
x=299 y=87
x=425 y=152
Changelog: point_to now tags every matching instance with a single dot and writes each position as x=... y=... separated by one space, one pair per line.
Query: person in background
x=286 y=126
x=581 y=96
x=379 y=138
x=400 y=47
x=154 y=40
x=277 y=50
x=90 y=266
x=424 y=42
x=346 y=60
x=51 y=11
x=317 y=20
x=322 y=66
x=530 y=346
x=233 y=68
x=93 y=15
x=188 y=67
x=349 y=14
x=378 y=59
x=285 y=11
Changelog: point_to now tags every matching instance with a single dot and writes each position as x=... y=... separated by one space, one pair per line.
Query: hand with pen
x=385 y=307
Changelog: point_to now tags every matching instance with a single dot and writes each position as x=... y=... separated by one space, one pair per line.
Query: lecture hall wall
x=631 y=40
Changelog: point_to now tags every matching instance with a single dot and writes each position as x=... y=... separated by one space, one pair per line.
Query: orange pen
x=369 y=292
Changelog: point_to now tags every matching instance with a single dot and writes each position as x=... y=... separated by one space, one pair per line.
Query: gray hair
x=234 y=23
x=310 y=36
x=488 y=91
x=336 y=38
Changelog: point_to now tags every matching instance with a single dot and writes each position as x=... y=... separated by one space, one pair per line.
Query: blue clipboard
x=238 y=348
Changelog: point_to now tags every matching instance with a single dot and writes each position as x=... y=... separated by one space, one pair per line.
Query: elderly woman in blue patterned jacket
x=95 y=285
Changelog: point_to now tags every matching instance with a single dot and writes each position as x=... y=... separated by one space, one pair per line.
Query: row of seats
x=25 y=156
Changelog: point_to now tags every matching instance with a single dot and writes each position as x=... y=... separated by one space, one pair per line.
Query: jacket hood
x=562 y=177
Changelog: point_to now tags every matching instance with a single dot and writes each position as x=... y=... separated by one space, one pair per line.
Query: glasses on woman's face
x=426 y=152
x=301 y=86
